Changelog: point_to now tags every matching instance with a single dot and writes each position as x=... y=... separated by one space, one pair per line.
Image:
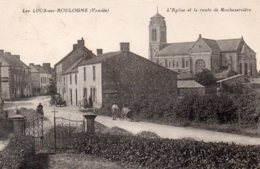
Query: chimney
x=8 y=53
x=81 y=43
x=2 y=51
x=99 y=52
x=46 y=66
x=200 y=36
x=75 y=46
x=17 y=56
x=124 y=46
x=31 y=64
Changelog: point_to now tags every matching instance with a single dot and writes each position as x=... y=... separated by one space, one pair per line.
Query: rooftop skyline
x=48 y=37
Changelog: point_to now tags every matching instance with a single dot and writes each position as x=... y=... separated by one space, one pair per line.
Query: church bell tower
x=157 y=35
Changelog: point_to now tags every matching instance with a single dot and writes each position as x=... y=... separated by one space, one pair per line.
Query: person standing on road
x=115 y=110
x=40 y=109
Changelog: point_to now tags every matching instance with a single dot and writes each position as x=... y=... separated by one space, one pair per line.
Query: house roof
x=157 y=15
x=74 y=67
x=101 y=58
x=173 y=49
x=188 y=84
x=39 y=68
x=13 y=60
x=69 y=54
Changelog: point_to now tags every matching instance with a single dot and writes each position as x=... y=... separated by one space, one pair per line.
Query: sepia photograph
x=149 y=84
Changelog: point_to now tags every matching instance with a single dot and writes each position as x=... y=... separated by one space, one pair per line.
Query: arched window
x=163 y=35
x=200 y=65
x=154 y=35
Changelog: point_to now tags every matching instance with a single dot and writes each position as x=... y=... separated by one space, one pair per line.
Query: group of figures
x=124 y=113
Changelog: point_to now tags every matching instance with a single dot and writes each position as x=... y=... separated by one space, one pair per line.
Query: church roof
x=213 y=45
x=181 y=48
x=229 y=45
x=157 y=15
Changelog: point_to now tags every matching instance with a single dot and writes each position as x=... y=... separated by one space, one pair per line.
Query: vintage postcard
x=129 y=84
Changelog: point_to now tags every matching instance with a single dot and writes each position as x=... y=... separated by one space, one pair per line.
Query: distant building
x=40 y=79
x=119 y=77
x=78 y=52
x=15 y=77
x=189 y=58
x=189 y=88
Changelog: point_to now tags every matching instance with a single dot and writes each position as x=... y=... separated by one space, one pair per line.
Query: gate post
x=19 y=124
x=90 y=118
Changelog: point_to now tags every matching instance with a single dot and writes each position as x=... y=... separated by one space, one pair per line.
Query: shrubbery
x=17 y=153
x=167 y=153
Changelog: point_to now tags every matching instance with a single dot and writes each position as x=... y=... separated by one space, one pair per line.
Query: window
x=240 y=68
x=93 y=93
x=154 y=35
x=70 y=79
x=166 y=65
x=85 y=92
x=157 y=61
x=76 y=80
x=187 y=63
x=163 y=35
x=84 y=74
x=177 y=64
x=64 y=80
x=183 y=63
x=173 y=63
x=94 y=73
x=200 y=65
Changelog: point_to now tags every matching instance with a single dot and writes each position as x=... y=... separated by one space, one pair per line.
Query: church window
x=183 y=63
x=245 y=69
x=240 y=69
x=251 y=69
x=154 y=35
x=163 y=36
x=200 y=65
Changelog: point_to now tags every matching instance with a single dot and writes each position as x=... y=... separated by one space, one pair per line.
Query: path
x=164 y=131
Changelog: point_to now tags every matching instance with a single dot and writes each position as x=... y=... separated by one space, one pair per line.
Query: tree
x=205 y=78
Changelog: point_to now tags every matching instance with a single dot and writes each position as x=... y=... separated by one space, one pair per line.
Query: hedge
x=17 y=153
x=168 y=153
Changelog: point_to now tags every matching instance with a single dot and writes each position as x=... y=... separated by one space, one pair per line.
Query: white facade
x=71 y=95
x=90 y=83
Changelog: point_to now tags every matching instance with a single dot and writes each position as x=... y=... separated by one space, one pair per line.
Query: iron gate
x=34 y=128
x=63 y=131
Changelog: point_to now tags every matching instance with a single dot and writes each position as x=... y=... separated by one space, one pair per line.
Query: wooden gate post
x=90 y=125
x=19 y=124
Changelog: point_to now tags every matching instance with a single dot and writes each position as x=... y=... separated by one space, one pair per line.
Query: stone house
x=189 y=58
x=40 y=79
x=78 y=52
x=122 y=76
x=15 y=77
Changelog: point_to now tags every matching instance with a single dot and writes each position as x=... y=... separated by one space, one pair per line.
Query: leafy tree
x=205 y=78
x=52 y=88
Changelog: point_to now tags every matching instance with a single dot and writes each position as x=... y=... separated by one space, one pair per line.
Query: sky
x=48 y=37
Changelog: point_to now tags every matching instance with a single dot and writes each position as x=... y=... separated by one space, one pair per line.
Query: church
x=223 y=58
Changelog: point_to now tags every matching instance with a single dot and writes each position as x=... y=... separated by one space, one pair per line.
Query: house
x=15 y=77
x=120 y=77
x=189 y=88
x=78 y=52
x=40 y=79
x=221 y=57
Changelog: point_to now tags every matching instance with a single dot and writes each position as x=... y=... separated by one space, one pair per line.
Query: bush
x=208 y=108
x=6 y=127
x=17 y=153
x=167 y=153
